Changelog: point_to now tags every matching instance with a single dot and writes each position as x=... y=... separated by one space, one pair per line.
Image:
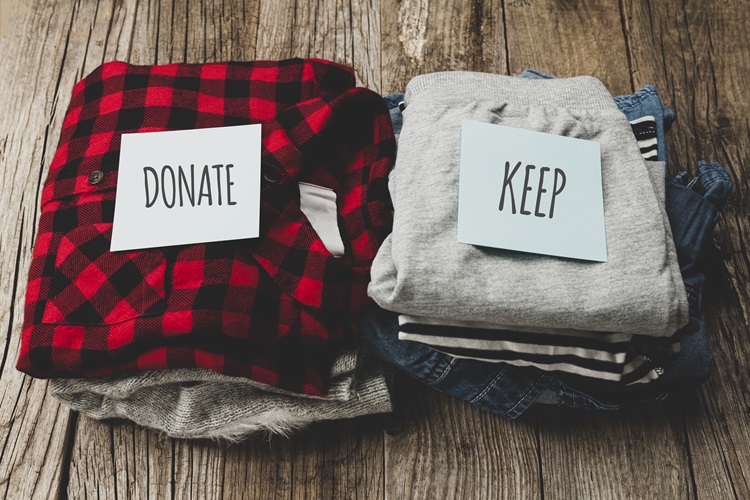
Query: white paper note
x=187 y=186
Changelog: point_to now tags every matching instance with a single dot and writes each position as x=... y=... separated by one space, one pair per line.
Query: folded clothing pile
x=216 y=339
x=581 y=334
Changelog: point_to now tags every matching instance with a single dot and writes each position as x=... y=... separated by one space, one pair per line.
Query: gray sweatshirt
x=422 y=270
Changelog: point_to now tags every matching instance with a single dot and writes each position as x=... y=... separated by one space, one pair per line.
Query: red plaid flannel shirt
x=273 y=309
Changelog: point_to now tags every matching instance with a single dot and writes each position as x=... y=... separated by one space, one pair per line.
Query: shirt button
x=96 y=177
x=271 y=176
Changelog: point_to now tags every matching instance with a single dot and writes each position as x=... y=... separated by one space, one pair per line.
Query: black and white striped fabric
x=644 y=129
x=616 y=357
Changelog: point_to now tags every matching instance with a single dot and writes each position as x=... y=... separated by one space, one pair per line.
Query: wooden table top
x=694 y=445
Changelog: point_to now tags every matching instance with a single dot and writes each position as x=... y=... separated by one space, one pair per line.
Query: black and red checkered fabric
x=275 y=308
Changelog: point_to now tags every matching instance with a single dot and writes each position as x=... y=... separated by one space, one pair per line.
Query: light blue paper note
x=531 y=192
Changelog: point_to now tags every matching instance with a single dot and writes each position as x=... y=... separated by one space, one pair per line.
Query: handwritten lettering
x=558 y=184
x=171 y=184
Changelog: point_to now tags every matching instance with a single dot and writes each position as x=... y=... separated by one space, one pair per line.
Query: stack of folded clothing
x=504 y=329
x=216 y=339
x=223 y=339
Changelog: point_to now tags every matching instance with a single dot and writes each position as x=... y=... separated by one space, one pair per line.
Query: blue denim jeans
x=397 y=119
x=692 y=208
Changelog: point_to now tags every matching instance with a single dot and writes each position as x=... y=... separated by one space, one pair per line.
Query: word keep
x=180 y=186
x=558 y=184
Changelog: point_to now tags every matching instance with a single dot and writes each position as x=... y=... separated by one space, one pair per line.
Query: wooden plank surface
x=34 y=428
x=422 y=36
x=439 y=447
x=701 y=62
x=329 y=460
x=697 y=445
x=558 y=38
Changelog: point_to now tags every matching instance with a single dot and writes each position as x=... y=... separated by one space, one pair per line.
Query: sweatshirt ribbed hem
x=580 y=93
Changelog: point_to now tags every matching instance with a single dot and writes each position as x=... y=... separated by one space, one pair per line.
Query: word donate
x=171 y=184
x=531 y=192
x=187 y=186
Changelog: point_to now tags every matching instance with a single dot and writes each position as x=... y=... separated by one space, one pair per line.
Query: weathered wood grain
x=34 y=427
x=117 y=459
x=638 y=453
x=321 y=27
x=328 y=460
x=144 y=461
x=218 y=31
x=366 y=43
x=718 y=431
x=144 y=39
x=10 y=16
x=422 y=36
x=701 y=62
x=260 y=468
x=696 y=445
x=198 y=469
x=444 y=448
x=340 y=460
x=568 y=39
x=338 y=30
x=93 y=478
